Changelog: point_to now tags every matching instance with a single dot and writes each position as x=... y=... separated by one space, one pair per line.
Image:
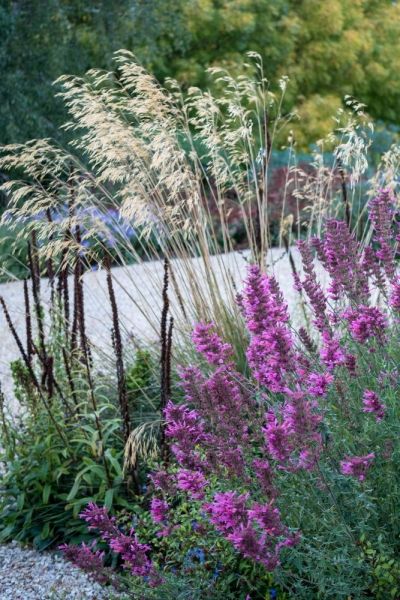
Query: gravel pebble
x=26 y=574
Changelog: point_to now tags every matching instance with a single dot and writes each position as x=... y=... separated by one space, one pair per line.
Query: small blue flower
x=193 y=557
x=217 y=571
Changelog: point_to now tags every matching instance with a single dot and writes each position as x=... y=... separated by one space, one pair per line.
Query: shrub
x=298 y=465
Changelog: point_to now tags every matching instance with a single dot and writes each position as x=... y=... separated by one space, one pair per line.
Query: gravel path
x=28 y=575
x=138 y=293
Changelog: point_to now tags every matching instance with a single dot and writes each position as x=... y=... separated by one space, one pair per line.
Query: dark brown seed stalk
x=118 y=348
x=49 y=382
x=344 y=193
x=164 y=336
x=35 y=274
x=62 y=288
x=80 y=304
x=19 y=343
x=74 y=332
x=307 y=341
x=87 y=360
x=28 y=323
x=165 y=359
x=168 y=360
x=49 y=263
x=69 y=376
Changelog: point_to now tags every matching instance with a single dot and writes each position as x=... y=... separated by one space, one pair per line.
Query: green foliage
x=385 y=569
x=48 y=479
x=328 y=50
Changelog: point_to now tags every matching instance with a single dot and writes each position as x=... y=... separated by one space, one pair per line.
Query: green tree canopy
x=328 y=49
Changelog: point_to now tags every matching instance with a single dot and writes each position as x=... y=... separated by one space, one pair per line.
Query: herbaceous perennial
x=303 y=447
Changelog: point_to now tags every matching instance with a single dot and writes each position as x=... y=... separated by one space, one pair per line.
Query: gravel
x=29 y=575
x=138 y=295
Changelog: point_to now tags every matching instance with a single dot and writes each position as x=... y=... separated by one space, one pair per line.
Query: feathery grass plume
x=175 y=169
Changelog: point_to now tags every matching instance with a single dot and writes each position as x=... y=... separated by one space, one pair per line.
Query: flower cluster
x=244 y=448
x=87 y=558
x=381 y=213
x=133 y=553
x=256 y=532
x=357 y=466
x=270 y=350
x=373 y=404
x=208 y=343
x=366 y=323
x=340 y=254
x=159 y=510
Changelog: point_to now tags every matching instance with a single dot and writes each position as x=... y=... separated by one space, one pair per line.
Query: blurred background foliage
x=328 y=49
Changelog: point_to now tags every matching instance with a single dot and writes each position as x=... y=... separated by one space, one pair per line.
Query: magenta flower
x=270 y=350
x=268 y=518
x=228 y=511
x=277 y=438
x=265 y=476
x=192 y=482
x=162 y=481
x=97 y=518
x=381 y=213
x=86 y=558
x=373 y=404
x=186 y=428
x=133 y=553
x=331 y=352
x=340 y=254
x=301 y=416
x=357 y=466
x=208 y=343
x=395 y=295
x=366 y=322
x=247 y=541
x=158 y=510
x=317 y=384
x=312 y=287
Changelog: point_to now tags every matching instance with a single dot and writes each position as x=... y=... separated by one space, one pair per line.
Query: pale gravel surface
x=28 y=575
x=138 y=291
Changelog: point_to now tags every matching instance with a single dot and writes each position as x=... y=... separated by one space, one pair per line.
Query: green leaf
x=46 y=493
x=74 y=489
x=108 y=498
x=45 y=531
x=21 y=501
